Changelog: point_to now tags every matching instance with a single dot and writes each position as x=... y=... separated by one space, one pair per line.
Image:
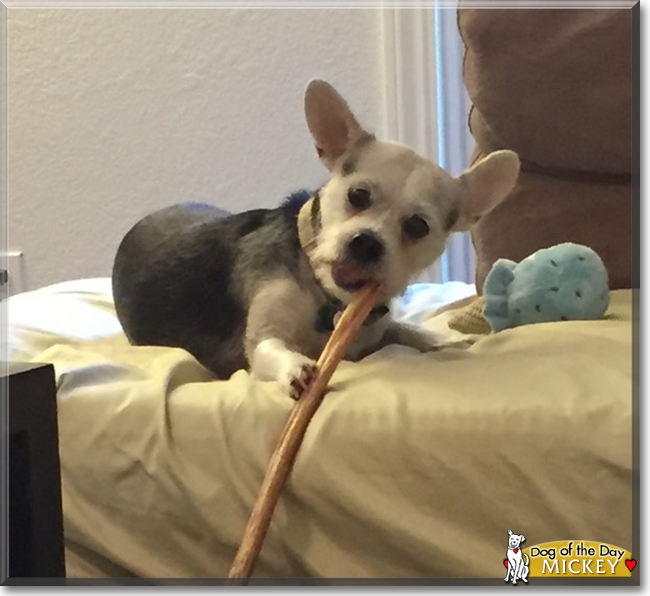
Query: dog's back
x=182 y=276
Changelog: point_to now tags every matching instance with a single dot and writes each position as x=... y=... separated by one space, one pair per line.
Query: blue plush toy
x=562 y=283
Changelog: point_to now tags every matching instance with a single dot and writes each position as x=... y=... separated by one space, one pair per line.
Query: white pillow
x=64 y=313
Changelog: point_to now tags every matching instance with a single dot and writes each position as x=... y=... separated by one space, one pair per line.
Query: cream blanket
x=414 y=466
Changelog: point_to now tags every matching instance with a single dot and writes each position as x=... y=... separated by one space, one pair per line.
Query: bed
x=415 y=466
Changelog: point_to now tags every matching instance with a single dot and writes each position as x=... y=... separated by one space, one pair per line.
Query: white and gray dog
x=262 y=288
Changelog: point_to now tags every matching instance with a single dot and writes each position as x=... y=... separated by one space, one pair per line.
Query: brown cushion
x=554 y=86
x=543 y=211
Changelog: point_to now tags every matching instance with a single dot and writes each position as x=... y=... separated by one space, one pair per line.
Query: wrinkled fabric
x=415 y=465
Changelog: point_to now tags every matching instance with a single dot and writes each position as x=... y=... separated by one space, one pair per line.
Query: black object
x=365 y=247
x=35 y=524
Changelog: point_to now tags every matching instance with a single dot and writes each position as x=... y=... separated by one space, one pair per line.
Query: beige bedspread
x=414 y=466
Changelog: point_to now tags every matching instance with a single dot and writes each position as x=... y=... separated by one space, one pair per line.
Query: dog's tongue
x=348 y=274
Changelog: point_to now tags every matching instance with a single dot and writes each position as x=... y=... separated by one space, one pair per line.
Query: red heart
x=505 y=562
x=516 y=550
x=631 y=564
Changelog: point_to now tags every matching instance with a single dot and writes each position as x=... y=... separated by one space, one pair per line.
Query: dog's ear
x=522 y=538
x=485 y=185
x=509 y=532
x=331 y=122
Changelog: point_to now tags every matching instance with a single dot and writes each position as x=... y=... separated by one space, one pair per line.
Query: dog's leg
x=413 y=337
x=273 y=361
x=418 y=339
x=509 y=570
x=281 y=342
x=367 y=339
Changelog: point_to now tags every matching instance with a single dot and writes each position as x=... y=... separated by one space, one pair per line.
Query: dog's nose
x=366 y=248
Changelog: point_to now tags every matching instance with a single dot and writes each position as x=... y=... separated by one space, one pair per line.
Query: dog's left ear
x=522 y=538
x=485 y=185
x=331 y=122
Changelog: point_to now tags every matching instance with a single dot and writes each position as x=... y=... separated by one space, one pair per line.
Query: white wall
x=114 y=113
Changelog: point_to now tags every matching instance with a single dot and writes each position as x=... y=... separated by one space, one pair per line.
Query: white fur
x=273 y=361
x=402 y=184
x=281 y=342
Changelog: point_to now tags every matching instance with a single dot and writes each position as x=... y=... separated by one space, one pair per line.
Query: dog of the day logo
x=565 y=558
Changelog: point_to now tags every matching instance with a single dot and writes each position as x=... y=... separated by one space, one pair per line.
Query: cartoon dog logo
x=517 y=566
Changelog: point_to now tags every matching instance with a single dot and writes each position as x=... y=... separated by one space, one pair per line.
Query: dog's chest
x=313 y=333
x=318 y=325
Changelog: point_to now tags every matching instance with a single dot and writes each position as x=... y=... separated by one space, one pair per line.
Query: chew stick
x=294 y=430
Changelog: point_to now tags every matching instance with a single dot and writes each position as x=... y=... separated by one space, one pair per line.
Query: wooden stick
x=285 y=452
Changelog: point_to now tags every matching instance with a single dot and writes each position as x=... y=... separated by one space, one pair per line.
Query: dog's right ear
x=509 y=532
x=331 y=122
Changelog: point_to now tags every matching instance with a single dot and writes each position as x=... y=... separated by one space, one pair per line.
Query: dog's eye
x=359 y=198
x=415 y=227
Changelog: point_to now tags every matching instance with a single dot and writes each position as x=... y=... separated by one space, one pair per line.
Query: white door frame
x=426 y=105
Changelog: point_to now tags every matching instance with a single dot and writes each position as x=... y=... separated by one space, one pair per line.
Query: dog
x=261 y=289
x=517 y=561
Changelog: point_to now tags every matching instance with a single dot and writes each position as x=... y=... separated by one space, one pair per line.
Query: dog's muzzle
x=365 y=248
x=363 y=251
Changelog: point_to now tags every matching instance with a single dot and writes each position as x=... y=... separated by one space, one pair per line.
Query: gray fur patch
x=315 y=216
x=349 y=164
x=348 y=167
x=452 y=218
x=185 y=276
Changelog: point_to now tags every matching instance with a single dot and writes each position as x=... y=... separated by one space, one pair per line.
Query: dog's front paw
x=272 y=361
x=298 y=372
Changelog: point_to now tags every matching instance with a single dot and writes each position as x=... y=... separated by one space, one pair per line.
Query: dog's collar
x=515 y=548
x=308 y=225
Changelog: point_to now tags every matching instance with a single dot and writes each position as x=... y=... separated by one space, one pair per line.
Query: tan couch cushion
x=554 y=86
